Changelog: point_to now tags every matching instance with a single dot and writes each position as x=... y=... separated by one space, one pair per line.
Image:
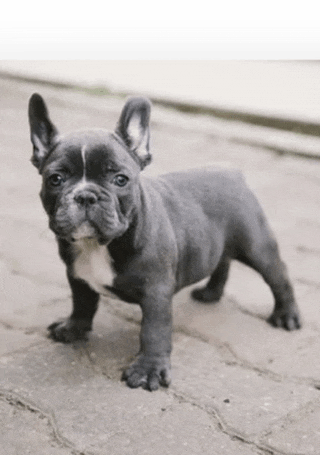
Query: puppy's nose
x=86 y=198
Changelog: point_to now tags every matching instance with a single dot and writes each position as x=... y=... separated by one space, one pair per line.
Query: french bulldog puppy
x=143 y=239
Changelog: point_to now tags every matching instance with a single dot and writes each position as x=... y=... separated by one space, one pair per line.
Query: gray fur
x=143 y=239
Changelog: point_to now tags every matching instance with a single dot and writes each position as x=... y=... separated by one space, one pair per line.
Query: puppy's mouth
x=85 y=231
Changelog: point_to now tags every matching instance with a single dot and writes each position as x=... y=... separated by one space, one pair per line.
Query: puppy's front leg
x=85 y=305
x=152 y=367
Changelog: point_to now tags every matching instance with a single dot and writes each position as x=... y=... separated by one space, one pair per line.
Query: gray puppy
x=144 y=239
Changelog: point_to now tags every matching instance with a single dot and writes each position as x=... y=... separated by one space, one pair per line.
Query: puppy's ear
x=133 y=128
x=42 y=130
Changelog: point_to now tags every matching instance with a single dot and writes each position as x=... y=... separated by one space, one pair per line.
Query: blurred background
x=282 y=95
x=286 y=89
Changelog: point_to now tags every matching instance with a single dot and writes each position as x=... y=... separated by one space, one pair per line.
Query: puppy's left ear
x=133 y=128
x=42 y=130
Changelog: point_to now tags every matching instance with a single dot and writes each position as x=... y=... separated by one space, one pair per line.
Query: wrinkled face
x=90 y=186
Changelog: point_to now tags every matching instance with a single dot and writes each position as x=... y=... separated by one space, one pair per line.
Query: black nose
x=86 y=198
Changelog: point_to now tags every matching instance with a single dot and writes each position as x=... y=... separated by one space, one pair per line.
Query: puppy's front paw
x=149 y=373
x=289 y=320
x=69 y=330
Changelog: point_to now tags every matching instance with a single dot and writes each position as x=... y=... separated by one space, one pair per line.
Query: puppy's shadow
x=114 y=344
x=108 y=351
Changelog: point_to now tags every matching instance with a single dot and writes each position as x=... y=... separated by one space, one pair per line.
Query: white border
x=161 y=30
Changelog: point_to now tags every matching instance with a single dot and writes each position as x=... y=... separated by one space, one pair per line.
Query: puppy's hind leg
x=262 y=254
x=213 y=290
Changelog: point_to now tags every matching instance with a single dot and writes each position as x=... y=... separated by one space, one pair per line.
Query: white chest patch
x=93 y=264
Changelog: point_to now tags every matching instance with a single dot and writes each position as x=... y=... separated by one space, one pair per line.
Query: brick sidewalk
x=239 y=386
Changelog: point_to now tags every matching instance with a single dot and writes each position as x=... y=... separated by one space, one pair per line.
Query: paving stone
x=15 y=340
x=246 y=399
x=299 y=433
x=96 y=413
x=247 y=335
x=27 y=431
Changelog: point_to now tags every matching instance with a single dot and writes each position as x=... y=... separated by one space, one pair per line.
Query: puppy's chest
x=93 y=264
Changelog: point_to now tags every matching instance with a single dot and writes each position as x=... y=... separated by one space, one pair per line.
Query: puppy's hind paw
x=206 y=295
x=287 y=320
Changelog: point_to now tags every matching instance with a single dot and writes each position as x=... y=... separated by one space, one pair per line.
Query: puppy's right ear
x=42 y=130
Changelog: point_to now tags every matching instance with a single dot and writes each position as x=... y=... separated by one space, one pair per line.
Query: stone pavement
x=240 y=387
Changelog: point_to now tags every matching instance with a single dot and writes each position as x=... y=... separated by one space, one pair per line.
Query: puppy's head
x=91 y=178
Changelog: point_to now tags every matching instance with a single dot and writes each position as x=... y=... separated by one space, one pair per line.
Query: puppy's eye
x=120 y=180
x=55 y=180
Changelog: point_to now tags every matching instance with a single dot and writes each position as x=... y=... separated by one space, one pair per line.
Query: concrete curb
x=283 y=136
